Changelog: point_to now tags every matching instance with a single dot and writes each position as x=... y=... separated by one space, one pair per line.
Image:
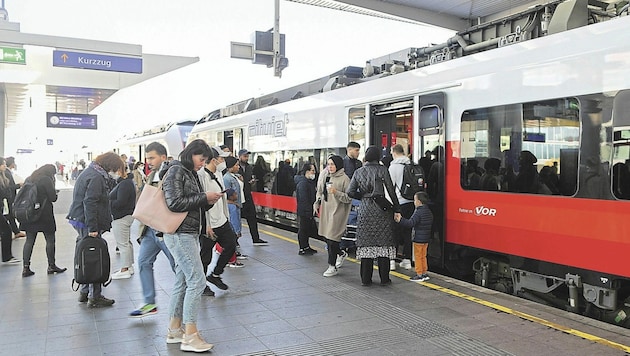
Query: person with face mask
x=122 y=203
x=218 y=228
x=90 y=213
x=305 y=192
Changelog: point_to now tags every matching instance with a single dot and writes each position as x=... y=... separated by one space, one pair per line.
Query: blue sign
x=70 y=121
x=97 y=62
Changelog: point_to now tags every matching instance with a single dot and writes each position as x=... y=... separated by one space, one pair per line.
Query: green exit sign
x=12 y=55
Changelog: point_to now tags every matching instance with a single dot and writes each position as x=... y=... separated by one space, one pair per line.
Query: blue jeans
x=235 y=218
x=150 y=247
x=92 y=290
x=190 y=280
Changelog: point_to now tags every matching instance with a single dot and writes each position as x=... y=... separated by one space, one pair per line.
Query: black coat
x=305 y=194
x=122 y=198
x=90 y=201
x=183 y=192
x=46 y=195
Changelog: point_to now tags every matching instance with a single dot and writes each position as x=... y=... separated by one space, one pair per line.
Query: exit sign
x=12 y=55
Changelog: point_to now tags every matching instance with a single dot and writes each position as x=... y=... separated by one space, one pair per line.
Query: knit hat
x=372 y=154
x=230 y=161
x=337 y=160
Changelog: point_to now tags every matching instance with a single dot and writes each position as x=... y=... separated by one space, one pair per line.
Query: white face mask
x=221 y=166
x=114 y=175
x=310 y=176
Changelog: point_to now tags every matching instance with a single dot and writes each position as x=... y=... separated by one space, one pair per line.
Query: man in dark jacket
x=305 y=194
x=351 y=161
x=249 y=210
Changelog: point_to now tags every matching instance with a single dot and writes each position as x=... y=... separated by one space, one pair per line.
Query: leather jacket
x=183 y=192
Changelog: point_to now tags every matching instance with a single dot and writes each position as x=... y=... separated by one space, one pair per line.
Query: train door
x=391 y=124
x=228 y=138
x=431 y=142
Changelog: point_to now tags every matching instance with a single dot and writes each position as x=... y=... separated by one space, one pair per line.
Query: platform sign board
x=12 y=55
x=70 y=121
x=97 y=61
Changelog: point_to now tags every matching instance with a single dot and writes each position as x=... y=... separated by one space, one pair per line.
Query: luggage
x=91 y=262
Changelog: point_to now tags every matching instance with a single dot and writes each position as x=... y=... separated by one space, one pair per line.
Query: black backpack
x=26 y=207
x=413 y=181
x=91 y=262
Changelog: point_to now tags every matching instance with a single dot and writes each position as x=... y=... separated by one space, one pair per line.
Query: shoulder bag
x=151 y=210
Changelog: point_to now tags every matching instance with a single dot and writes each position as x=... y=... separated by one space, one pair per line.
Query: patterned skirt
x=376 y=251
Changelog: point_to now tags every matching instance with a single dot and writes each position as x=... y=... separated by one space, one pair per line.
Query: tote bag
x=152 y=211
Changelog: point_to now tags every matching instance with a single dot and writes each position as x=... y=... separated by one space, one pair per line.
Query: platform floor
x=280 y=304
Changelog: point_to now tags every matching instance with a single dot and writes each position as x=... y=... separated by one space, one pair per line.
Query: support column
x=3 y=119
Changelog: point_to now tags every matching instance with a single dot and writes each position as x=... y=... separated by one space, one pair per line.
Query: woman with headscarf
x=44 y=180
x=335 y=206
x=375 y=239
x=6 y=198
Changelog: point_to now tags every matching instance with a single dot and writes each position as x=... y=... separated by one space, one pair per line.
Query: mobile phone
x=224 y=191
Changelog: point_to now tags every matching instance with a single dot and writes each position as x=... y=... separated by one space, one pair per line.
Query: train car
x=545 y=111
x=173 y=136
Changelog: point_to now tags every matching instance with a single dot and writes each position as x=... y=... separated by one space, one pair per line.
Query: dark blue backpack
x=26 y=207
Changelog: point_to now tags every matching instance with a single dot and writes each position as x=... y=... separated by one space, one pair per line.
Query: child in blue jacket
x=421 y=221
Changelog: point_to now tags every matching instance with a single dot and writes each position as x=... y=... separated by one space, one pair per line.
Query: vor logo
x=483 y=211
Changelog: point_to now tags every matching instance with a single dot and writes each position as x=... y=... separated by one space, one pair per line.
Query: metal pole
x=276 y=39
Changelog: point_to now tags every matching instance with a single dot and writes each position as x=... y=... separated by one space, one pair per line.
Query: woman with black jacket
x=305 y=194
x=122 y=201
x=183 y=193
x=44 y=180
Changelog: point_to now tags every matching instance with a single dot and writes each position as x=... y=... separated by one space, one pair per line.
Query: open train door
x=430 y=144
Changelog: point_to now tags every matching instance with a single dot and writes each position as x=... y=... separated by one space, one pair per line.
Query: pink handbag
x=151 y=210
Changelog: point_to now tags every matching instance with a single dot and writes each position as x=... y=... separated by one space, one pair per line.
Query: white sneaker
x=331 y=271
x=195 y=343
x=13 y=261
x=341 y=258
x=392 y=265
x=121 y=275
x=405 y=263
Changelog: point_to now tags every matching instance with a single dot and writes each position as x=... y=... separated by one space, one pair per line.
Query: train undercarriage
x=595 y=295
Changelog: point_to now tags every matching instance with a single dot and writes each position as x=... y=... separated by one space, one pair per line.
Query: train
x=548 y=87
x=173 y=136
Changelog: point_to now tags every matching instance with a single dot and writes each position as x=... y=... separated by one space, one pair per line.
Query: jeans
x=150 y=247
x=92 y=290
x=235 y=218
x=122 y=232
x=30 y=241
x=249 y=213
x=190 y=280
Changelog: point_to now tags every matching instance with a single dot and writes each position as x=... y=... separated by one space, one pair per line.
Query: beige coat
x=333 y=216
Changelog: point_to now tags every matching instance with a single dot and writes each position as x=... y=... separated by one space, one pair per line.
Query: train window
x=429 y=117
x=522 y=148
x=621 y=146
x=356 y=127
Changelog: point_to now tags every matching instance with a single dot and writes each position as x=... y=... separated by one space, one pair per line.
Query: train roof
x=534 y=22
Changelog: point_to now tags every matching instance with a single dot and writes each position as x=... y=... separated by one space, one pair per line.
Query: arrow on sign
x=64 y=57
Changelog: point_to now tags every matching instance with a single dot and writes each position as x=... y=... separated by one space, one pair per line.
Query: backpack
x=26 y=207
x=91 y=262
x=413 y=181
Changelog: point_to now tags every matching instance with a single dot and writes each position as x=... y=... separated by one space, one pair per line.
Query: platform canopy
x=70 y=75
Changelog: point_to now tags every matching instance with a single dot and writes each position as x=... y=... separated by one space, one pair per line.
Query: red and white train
x=559 y=92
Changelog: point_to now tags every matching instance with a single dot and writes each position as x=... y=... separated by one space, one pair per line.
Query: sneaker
x=83 y=297
x=416 y=278
x=195 y=343
x=392 y=265
x=305 y=252
x=331 y=271
x=121 y=275
x=216 y=280
x=406 y=263
x=175 y=336
x=341 y=258
x=208 y=292
x=13 y=261
x=100 y=301
x=259 y=242
x=145 y=310
x=235 y=264
x=312 y=250
x=240 y=256
x=425 y=277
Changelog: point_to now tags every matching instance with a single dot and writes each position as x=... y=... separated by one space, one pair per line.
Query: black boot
x=54 y=269
x=26 y=272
